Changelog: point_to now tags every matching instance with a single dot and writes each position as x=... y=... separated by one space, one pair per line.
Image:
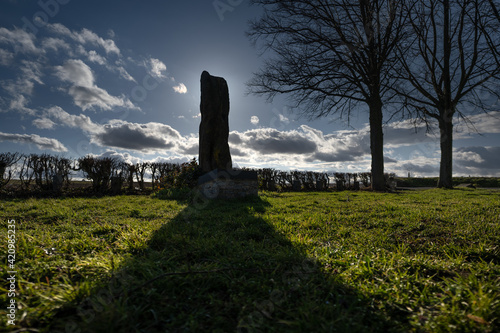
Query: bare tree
x=62 y=168
x=43 y=170
x=140 y=170
x=26 y=172
x=99 y=170
x=330 y=56
x=452 y=67
x=7 y=160
x=130 y=176
x=166 y=173
x=494 y=8
x=153 y=167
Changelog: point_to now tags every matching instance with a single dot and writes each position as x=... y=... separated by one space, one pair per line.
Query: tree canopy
x=329 y=56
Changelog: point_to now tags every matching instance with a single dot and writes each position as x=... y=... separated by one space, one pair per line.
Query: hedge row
x=48 y=173
x=432 y=181
x=272 y=179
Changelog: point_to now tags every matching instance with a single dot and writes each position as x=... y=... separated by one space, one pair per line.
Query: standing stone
x=116 y=184
x=356 y=186
x=214 y=127
x=296 y=186
x=57 y=182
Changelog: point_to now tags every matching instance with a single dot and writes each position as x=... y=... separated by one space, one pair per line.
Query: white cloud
x=130 y=159
x=85 y=36
x=124 y=74
x=147 y=137
x=122 y=157
x=94 y=57
x=254 y=120
x=92 y=97
x=76 y=72
x=111 y=33
x=20 y=103
x=85 y=93
x=31 y=71
x=60 y=29
x=189 y=146
x=55 y=44
x=76 y=50
x=29 y=74
x=20 y=40
x=42 y=143
x=6 y=57
x=43 y=123
x=408 y=124
x=468 y=156
x=305 y=148
x=171 y=159
x=284 y=119
x=477 y=161
x=21 y=89
x=411 y=131
x=473 y=161
x=486 y=123
x=271 y=141
x=181 y=88
x=18 y=89
x=420 y=167
x=81 y=121
x=156 y=68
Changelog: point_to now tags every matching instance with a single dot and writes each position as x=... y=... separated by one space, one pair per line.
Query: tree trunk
x=377 y=146
x=446 y=111
x=446 y=167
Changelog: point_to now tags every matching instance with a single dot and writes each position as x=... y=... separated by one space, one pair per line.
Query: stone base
x=228 y=184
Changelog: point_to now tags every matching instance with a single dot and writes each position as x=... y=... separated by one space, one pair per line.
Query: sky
x=122 y=79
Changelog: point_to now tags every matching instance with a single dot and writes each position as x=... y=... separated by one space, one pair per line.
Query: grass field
x=416 y=261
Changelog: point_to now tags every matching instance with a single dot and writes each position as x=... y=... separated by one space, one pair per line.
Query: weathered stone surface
x=320 y=185
x=219 y=181
x=232 y=184
x=57 y=182
x=214 y=127
x=296 y=186
x=116 y=185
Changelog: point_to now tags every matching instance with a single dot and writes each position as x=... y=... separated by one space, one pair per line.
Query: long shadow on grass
x=218 y=267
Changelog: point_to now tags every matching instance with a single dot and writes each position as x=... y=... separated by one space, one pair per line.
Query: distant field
x=416 y=261
x=75 y=183
x=432 y=181
x=484 y=182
